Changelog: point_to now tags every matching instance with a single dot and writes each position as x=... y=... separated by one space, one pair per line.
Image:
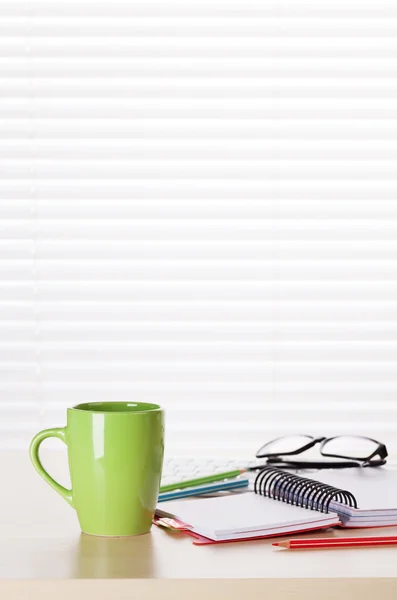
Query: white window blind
x=198 y=208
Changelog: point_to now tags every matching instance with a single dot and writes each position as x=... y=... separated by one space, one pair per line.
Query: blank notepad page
x=242 y=514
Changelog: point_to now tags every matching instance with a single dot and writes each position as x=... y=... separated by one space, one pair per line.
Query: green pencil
x=201 y=480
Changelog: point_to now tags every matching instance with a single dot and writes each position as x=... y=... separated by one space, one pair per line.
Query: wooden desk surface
x=42 y=550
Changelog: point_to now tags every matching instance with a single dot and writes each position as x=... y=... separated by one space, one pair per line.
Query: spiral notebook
x=239 y=517
x=375 y=493
x=285 y=503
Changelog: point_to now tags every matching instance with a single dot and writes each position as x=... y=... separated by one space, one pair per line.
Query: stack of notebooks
x=283 y=503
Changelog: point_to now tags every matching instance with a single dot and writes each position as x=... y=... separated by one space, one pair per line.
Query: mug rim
x=140 y=408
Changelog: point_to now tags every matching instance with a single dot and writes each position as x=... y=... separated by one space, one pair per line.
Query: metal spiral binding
x=300 y=491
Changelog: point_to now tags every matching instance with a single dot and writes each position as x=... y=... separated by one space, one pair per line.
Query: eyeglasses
x=360 y=451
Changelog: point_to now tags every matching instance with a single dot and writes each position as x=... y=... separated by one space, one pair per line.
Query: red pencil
x=348 y=542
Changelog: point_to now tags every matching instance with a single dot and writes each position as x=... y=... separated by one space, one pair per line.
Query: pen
x=348 y=542
x=201 y=480
x=204 y=489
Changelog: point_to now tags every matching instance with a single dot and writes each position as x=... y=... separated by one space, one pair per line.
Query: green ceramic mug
x=115 y=452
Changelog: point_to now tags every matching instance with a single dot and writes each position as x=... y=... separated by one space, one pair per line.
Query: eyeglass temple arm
x=312 y=464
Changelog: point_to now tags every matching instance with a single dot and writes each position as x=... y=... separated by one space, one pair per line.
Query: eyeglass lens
x=283 y=445
x=346 y=445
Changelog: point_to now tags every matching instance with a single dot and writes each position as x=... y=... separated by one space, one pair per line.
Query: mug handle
x=60 y=433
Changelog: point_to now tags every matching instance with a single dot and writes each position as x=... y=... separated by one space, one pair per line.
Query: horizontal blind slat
x=201 y=230
x=166 y=47
x=181 y=170
x=258 y=391
x=257 y=26
x=315 y=129
x=226 y=250
x=78 y=269
x=298 y=310
x=218 y=9
x=279 y=108
x=204 y=87
x=255 y=372
x=196 y=292
x=239 y=353
x=210 y=331
x=198 y=150
x=190 y=67
x=97 y=210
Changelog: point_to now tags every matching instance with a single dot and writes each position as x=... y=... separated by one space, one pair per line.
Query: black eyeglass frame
x=353 y=461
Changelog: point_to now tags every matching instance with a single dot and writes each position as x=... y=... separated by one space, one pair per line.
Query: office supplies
x=240 y=517
x=222 y=486
x=348 y=542
x=201 y=480
x=361 y=497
